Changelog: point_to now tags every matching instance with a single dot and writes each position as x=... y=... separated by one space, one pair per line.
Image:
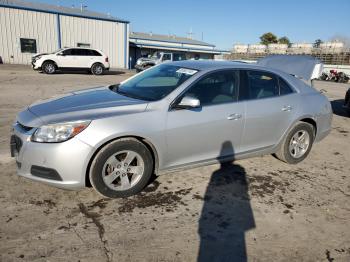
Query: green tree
x=268 y=38
x=284 y=40
x=317 y=43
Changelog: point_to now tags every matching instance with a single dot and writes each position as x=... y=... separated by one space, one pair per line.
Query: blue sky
x=225 y=22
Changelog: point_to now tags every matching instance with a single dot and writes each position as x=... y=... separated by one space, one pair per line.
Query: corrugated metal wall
x=106 y=36
x=110 y=37
x=16 y=24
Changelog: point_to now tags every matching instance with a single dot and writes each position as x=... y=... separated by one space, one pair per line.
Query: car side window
x=178 y=57
x=94 y=53
x=216 y=88
x=262 y=84
x=67 y=52
x=285 y=88
x=83 y=52
x=166 y=57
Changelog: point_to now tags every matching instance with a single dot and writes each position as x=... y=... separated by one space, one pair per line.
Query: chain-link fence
x=328 y=57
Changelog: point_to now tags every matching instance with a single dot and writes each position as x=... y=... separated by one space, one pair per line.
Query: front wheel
x=297 y=144
x=121 y=169
x=97 y=69
x=49 y=67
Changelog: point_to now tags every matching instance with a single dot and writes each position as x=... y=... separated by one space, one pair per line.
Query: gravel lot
x=261 y=209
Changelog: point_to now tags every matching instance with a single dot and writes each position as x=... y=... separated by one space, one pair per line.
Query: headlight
x=139 y=62
x=55 y=133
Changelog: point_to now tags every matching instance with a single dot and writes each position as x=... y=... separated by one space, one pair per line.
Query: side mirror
x=61 y=54
x=188 y=102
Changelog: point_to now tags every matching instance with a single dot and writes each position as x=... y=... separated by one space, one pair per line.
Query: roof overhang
x=183 y=49
x=57 y=12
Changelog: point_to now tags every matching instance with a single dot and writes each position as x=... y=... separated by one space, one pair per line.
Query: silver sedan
x=169 y=117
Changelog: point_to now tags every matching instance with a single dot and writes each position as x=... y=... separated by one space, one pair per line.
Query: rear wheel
x=298 y=143
x=121 y=169
x=97 y=69
x=49 y=67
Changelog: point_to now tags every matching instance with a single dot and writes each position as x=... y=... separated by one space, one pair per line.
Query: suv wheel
x=49 y=67
x=298 y=143
x=121 y=169
x=97 y=69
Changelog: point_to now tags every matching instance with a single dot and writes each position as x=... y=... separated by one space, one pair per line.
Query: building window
x=83 y=45
x=28 y=45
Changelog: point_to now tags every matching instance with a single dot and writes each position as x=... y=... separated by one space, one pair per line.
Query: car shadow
x=85 y=72
x=226 y=213
x=338 y=109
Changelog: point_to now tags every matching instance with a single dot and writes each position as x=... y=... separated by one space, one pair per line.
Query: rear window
x=285 y=89
x=93 y=53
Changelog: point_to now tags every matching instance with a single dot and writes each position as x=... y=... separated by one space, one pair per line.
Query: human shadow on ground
x=338 y=109
x=226 y=213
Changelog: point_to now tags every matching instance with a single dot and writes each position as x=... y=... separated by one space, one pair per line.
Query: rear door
x=270 y=106
x=212 y=131
x=84 y=57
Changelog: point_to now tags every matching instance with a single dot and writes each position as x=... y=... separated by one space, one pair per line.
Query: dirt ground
x=259 y=209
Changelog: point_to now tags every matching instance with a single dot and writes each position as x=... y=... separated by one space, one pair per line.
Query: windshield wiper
x=115 y=88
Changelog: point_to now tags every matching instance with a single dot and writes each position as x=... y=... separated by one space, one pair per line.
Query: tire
x=289 y=153
x=109 y=172
x=97 y=69
x=49 y=67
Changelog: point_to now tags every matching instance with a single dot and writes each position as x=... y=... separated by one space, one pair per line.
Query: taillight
x=106 y=59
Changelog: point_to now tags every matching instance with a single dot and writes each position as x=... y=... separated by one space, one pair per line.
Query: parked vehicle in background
x=157 y=58
x=347 y=101
x=76 y=58
x=172 y=116
x=335 y=76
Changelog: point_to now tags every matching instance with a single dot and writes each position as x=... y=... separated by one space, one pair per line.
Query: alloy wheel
x=123 y=170
x=299 y=143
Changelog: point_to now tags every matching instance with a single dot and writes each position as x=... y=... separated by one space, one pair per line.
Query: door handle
x=234 y=117
x=287 y=108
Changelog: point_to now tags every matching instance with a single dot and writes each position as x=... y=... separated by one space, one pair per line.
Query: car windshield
x=56 y=51
x=156 y=55
x=154 y=83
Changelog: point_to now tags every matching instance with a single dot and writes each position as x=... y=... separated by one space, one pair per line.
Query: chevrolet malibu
x=169 y=117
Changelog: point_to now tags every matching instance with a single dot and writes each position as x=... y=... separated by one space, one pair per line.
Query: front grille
x=16 y=145
x=23 y=127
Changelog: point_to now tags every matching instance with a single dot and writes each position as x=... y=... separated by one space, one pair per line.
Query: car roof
x=75 y=47
x=209 y=65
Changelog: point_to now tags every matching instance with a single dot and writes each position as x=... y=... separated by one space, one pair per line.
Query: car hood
x=302 y=66
x=144 y=59
x=40 y=54
x=86 y=104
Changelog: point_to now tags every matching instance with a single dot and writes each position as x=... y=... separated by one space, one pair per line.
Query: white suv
x=75 y=58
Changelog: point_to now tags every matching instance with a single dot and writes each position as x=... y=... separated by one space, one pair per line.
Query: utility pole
x=190 y=34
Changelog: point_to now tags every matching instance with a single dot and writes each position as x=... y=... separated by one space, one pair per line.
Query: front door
x=212 y=131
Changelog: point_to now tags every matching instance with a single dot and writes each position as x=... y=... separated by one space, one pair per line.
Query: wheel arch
x=312 y=122
x=49 y=60
x=143 y=140
x=96 y=62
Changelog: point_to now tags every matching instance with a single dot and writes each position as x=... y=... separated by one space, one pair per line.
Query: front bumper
x=139 y=67
x=61 y=165
x=35 y=67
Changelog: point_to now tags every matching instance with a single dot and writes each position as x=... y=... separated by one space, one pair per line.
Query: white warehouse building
x=27 y=28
